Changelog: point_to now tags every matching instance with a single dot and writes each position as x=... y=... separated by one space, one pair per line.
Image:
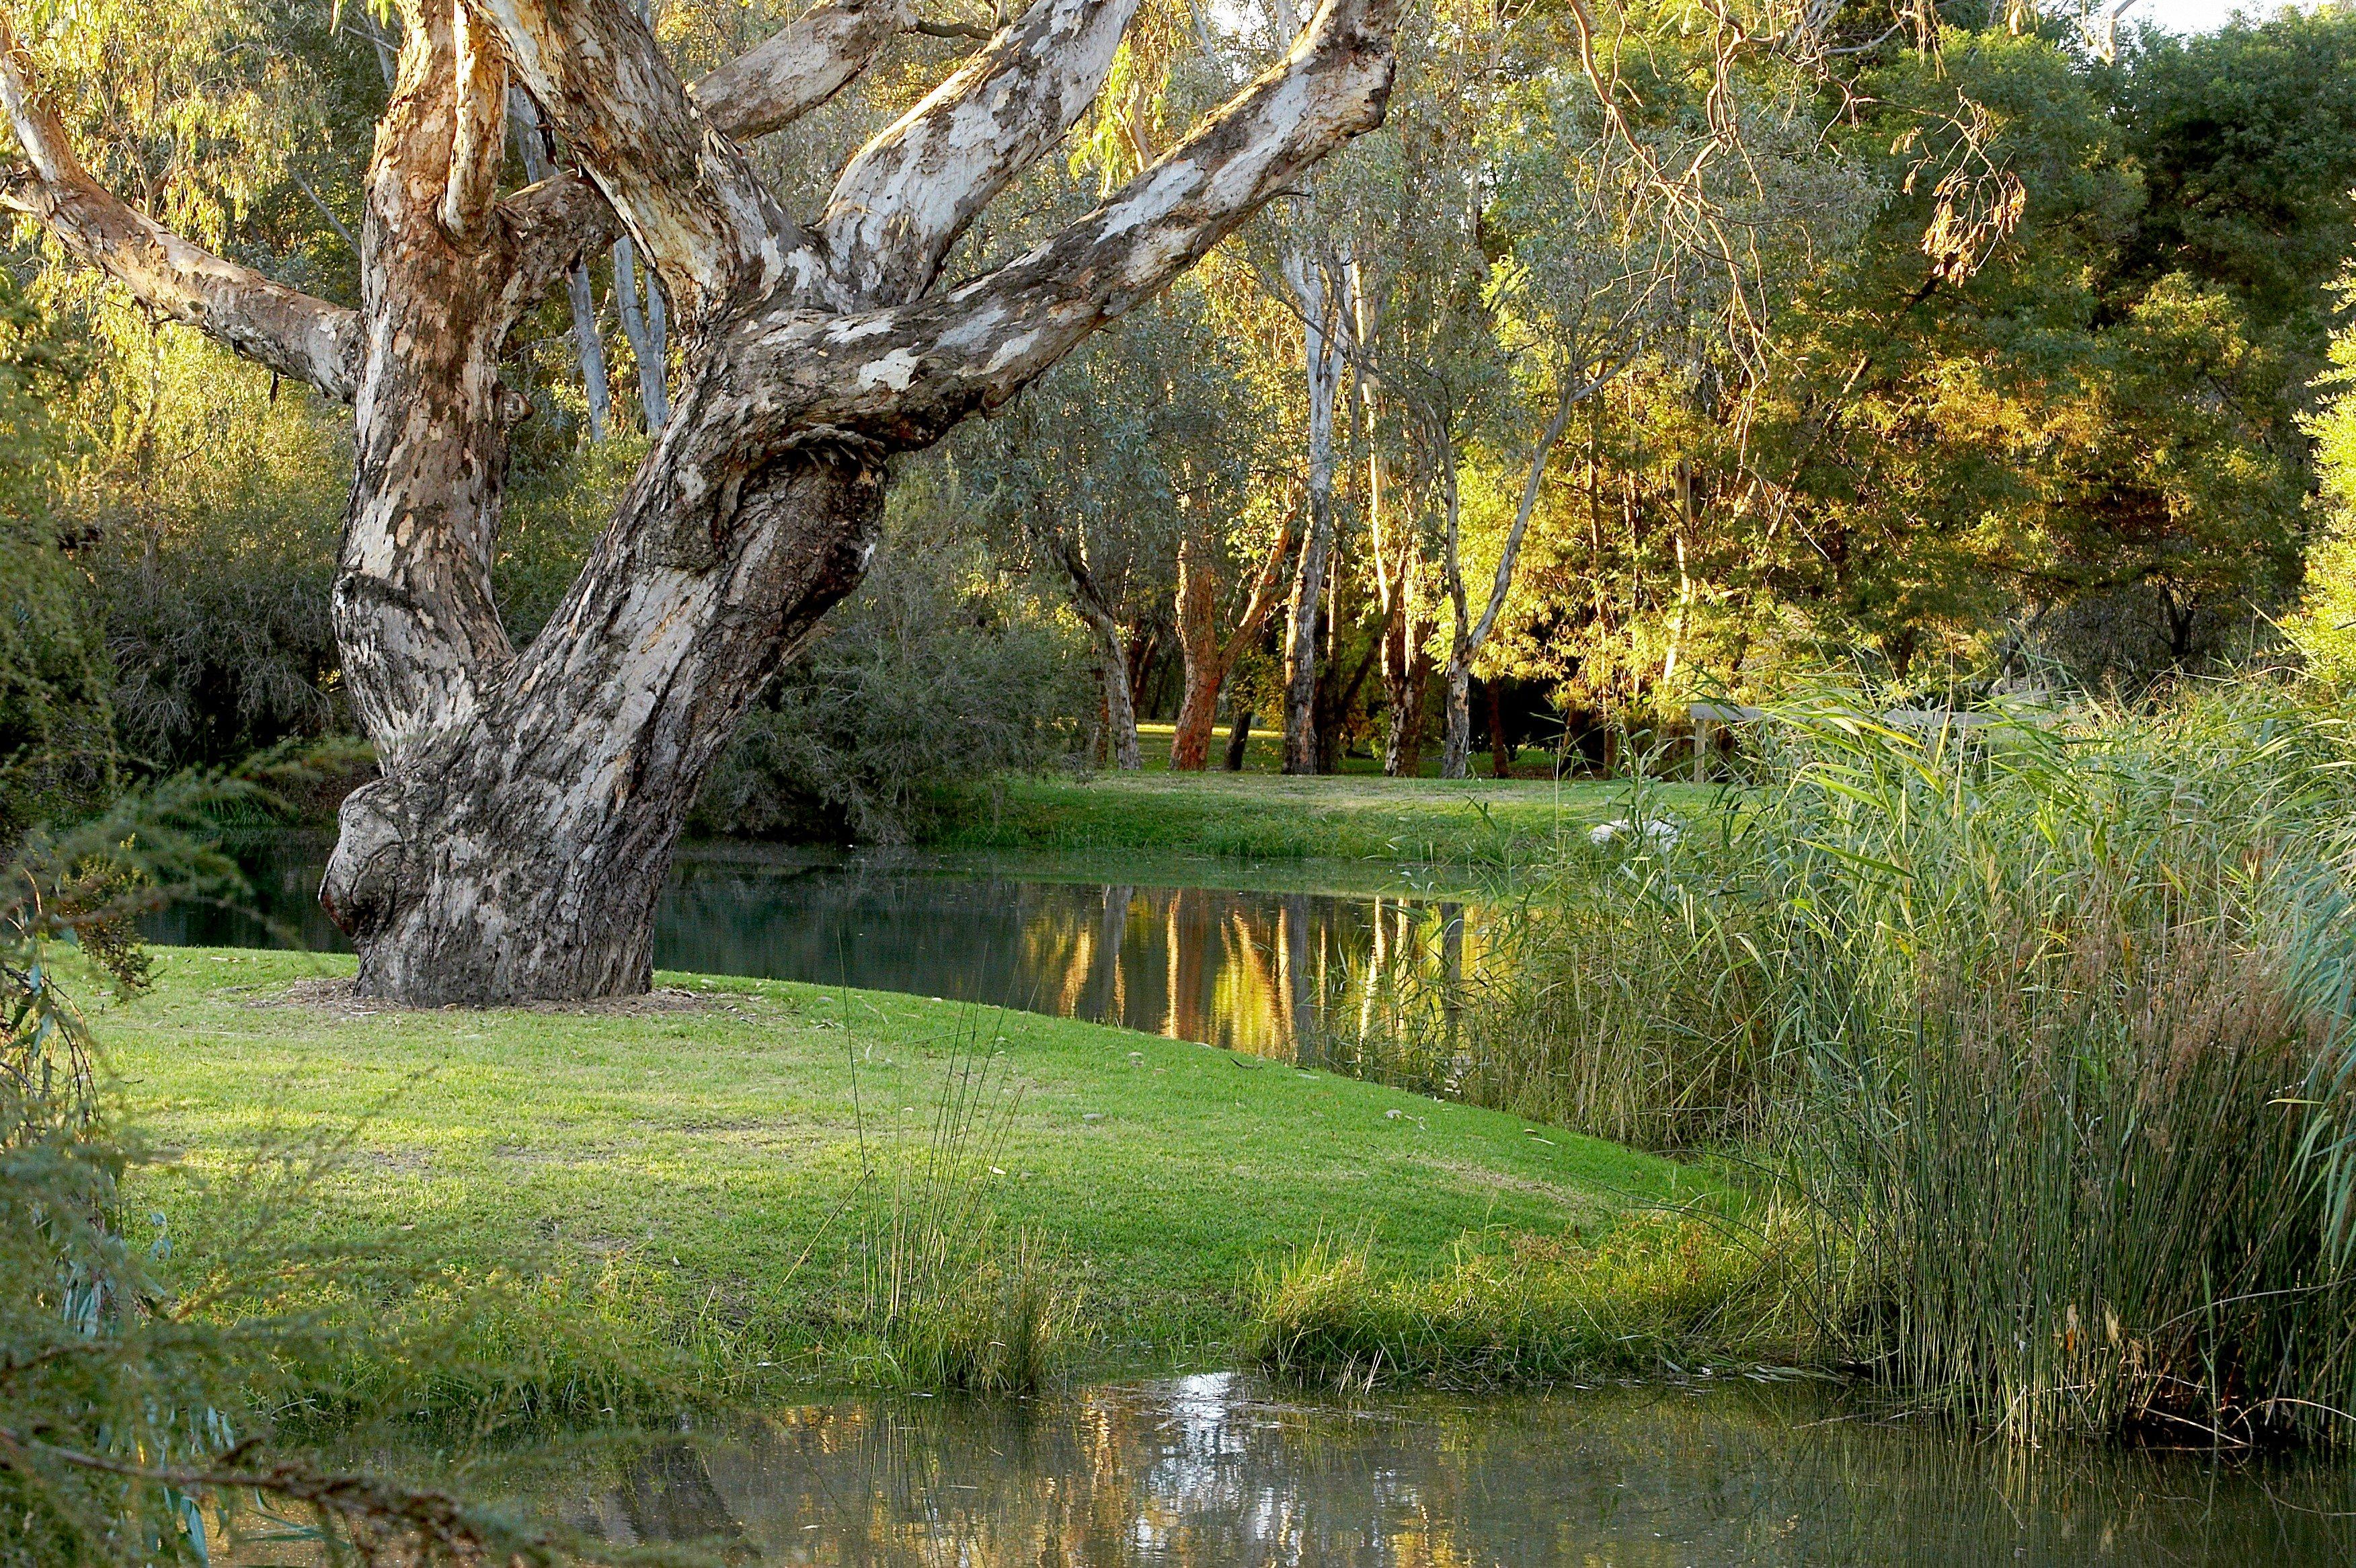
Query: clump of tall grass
x=1659 y=1294
x=2045 y=1036
x=953 y=1297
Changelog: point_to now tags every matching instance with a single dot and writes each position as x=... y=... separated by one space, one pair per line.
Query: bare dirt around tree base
x=342 y=998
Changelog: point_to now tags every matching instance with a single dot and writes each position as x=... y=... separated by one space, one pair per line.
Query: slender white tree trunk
x=644 y=330
x=1322 y=352
x=588 y=343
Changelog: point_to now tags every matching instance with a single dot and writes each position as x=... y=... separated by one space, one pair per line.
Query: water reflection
x=1218 y=1470
x=1250 y=971
x=1274 y=972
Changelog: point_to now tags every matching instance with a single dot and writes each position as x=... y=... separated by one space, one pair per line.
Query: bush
x=214 y=555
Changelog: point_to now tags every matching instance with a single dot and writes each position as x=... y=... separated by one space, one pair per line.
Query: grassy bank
x=703 y=1183
x=1471 y=822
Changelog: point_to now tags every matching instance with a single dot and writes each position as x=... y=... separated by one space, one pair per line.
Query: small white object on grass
x=1660 y=833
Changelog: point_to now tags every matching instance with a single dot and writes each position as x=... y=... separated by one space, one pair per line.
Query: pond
x=1281 y=959
x=1221 y=1470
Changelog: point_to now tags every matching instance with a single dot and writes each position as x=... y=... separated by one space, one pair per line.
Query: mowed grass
x=695 y=1172
x=1467 y=822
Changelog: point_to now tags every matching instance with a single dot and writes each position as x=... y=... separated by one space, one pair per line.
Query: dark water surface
x=1108 y=940
x=1218 y=1469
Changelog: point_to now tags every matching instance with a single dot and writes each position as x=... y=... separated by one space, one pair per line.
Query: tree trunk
x=1200 y=648
x=1501 y=749
x=1403 y=750
x=588 y=343
x=517 y=839
x=1112 y=673
x=644 y=332
x=1239 y=740
x=1322 y=352
x=1456 y=745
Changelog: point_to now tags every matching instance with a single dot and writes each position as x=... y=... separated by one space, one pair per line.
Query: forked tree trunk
x=1112 y=673
x=1207 y=656
x=518 y=837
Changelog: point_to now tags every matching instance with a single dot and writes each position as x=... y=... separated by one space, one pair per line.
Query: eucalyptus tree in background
x=530 y=798
x=588 y=343
x=1312 y=278
x=1210 y=644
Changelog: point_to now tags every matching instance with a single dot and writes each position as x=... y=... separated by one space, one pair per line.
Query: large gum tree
x=529 y=799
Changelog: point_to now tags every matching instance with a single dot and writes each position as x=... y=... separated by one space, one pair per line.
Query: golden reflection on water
x=1274 y=973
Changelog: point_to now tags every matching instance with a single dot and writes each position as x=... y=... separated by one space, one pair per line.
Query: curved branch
x=685 y=190
x=799 y=67
x=478 y=137
x=284 y=328
x=563 y=218
x=901 y=377
x=909 y=193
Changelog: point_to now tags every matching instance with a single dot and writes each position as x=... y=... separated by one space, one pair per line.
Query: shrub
x=933 y=673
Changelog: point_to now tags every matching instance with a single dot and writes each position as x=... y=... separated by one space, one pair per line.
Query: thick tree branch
x=900 y=377
x=907 y=196
x=294 y=334
x=685 y=191
x=555 y=222
x=478 y=139
x=562 y=219
x=798 y=68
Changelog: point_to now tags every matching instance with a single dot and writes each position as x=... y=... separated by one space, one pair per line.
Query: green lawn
x=666 y=1165
x=1480 y=822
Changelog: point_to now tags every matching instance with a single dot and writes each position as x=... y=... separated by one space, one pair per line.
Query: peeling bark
x=518 y=837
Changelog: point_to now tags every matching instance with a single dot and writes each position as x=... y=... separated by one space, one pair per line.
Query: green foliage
x=55 y=744
x=203 y=514
x=2324 y=627
x=937 y=671
x=2245 y=139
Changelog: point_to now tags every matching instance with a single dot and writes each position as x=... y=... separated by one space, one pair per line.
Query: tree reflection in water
x=1276 y=974
x=1218 y=1470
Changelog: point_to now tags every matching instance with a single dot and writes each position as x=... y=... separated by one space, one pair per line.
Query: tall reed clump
x=953 y=1298
x=2055 y=1020
x=2045 y=1037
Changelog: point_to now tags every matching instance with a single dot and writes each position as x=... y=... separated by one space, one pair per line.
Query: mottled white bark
x=1321 y=350
x=517 y=841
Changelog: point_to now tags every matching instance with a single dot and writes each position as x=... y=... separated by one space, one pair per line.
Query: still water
x=1110 y=940
x=1219 y=1470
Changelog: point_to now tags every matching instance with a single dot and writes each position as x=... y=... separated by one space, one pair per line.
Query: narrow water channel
x=1278 y=972
x=1222 y=1470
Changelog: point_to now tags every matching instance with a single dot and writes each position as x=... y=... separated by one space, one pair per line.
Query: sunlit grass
x=693 y=1193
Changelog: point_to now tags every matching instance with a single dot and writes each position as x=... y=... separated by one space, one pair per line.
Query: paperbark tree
x=529 y=799
x=1097 y=610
